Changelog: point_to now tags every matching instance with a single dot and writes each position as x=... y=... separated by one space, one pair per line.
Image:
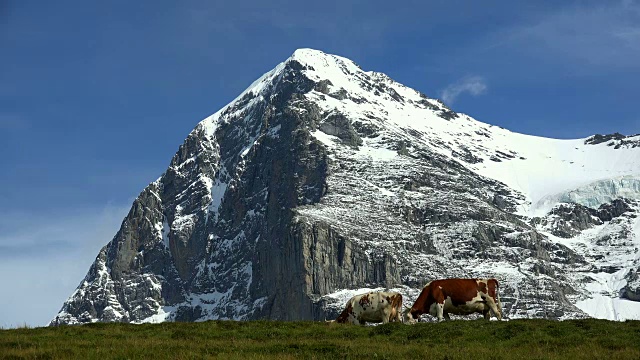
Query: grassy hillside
x=516 y=339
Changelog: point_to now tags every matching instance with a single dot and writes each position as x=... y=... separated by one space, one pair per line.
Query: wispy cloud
x=44 y=257
x=474 y=85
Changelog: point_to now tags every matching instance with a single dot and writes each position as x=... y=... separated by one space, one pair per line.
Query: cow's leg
x=385 y=317
x=494 y=308
x=447 y=316
x=487 y=314
x=393 y=315
x=439 y=297
x=440 y=310
x=498 y=312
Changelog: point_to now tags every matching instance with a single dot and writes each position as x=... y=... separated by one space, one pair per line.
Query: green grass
x=516 y=339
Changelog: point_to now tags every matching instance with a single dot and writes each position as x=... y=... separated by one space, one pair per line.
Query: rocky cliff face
x=322 y=179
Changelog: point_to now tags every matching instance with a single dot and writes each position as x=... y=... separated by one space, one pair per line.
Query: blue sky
x=96 y=97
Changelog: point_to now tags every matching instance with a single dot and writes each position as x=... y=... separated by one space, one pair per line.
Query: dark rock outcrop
x=569 y=219
x=631 y=290
x=616 y=140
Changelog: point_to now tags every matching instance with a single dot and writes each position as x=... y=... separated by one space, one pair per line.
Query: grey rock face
x=338 y=125
x=616 y=140
x=631 y=290
x=303 y=187
x=599 y=138
x=568 y=219
x=607 y=212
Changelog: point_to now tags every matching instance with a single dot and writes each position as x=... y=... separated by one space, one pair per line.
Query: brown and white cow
x=459 y=297
x=376 y=307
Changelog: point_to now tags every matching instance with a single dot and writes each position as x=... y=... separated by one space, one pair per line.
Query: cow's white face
x=408 y=318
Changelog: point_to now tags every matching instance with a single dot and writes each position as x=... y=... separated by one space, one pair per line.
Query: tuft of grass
x=516 y=339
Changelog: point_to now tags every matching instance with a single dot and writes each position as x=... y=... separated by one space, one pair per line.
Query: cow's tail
x=498 y=303
x=396 y=308
x=344 y=315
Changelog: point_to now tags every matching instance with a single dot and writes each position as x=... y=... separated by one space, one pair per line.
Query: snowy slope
x=555 y=167
x=612 y=250
x=535 y=166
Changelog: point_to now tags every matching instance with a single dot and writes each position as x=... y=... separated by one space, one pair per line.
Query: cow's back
x=460 y=291
x=457 y=296
x=372 y=307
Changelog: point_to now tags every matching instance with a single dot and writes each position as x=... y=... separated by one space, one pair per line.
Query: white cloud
x=43 y=258
x=474 y=85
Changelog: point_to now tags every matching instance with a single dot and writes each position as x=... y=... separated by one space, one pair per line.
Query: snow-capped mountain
x=321 y=180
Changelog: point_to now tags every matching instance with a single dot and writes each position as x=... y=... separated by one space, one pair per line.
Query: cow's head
x=408 y=317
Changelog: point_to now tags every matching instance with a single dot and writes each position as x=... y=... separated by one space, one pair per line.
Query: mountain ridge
x=256 y=215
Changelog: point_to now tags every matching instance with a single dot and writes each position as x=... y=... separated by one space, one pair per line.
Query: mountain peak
x=320 y=61
x=303 y=53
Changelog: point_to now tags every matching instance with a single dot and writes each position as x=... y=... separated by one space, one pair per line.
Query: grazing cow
x=457 y=296
x=373 y=307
